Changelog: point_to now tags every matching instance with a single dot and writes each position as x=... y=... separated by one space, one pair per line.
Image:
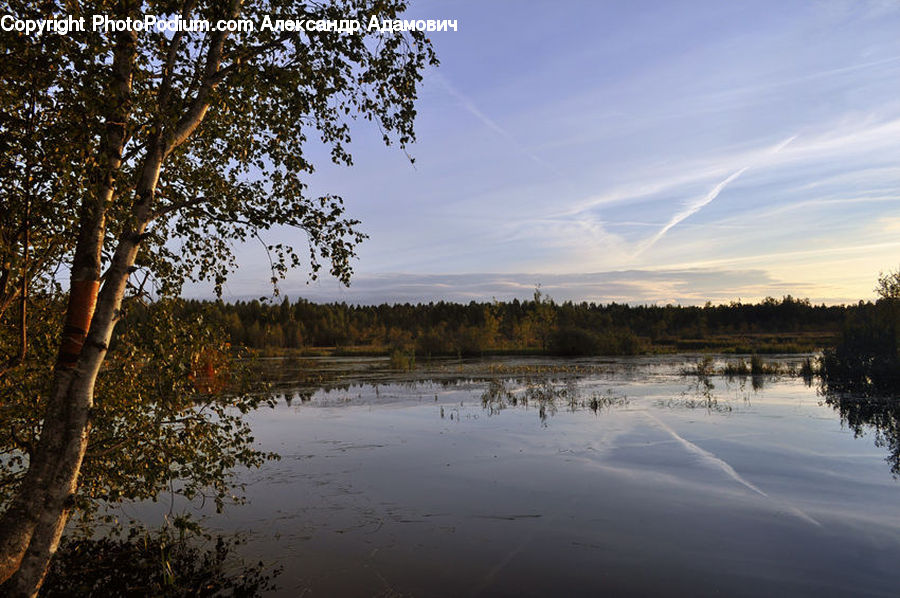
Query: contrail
x=712 y=459
x=690 y=211
x=705 y=455
x=490 y=123
x=696 y=206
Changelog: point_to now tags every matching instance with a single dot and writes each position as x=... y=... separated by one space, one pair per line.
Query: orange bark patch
x=79 y=312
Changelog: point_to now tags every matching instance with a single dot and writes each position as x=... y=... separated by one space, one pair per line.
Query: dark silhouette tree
x=889 y=285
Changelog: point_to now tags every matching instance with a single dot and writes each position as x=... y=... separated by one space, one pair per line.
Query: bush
x=866 y=359
x=574 y=341
x=153 y=564
x=404 y=361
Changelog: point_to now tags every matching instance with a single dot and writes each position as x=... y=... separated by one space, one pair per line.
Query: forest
x=539 y=325
x=137 y=161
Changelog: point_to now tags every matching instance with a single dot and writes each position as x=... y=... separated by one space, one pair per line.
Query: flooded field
x=535 y=477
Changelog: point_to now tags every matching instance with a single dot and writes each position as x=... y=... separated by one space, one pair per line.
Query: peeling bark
x=31 y=527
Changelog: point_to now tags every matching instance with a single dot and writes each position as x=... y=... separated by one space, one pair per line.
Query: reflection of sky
x=645 y=151
x=422 y=487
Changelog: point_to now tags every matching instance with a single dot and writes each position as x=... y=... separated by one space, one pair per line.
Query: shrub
x=153 y=564
x=574 y=341
x=405 y=361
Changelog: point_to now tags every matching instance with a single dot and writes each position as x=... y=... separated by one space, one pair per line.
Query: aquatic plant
x=547 y=395
x=599 y=402
x=703 y=367
x=736 y=368
x=404 y=361
x=807 y=371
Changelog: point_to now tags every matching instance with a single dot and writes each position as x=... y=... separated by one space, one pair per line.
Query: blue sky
x=648 y=152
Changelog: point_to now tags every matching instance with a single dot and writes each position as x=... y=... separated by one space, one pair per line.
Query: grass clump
x=736 y=368
x=404 y=361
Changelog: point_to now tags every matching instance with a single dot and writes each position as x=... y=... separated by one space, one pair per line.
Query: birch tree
x=152 y=154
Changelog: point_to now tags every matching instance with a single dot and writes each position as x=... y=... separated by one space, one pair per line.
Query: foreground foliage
x=167 y=416
x=866 y=360
x=133 y=162
x=860 y=375
x=161 y=563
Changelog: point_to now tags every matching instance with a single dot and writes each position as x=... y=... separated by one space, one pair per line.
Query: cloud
x=698 y=205
x=844 y=250
x=491 y=124
x=834 y=141
x=691 y=209
x=681 y=286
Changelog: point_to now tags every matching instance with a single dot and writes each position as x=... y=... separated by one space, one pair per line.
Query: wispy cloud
x=785 y=255
x=491 y=124
x=684 y=286
x=695 y=206
x=690 y=210
x=835 y=140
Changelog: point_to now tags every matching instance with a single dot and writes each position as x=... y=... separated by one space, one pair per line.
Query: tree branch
x=165 y=87
x=197 y=110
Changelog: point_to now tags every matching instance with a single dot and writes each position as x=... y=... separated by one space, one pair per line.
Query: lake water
x=537 y=477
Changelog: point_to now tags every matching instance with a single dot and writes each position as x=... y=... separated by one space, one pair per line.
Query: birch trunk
x=32 y=524
x=67 y=440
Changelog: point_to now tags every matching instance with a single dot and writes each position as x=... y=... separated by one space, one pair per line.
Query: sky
x=631 y=151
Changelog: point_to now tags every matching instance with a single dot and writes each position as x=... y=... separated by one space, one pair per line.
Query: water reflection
x=533 y=477
x=548 y=395
x=548 y=388
x=877 y=414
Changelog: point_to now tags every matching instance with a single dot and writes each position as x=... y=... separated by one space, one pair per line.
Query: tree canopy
x=231 y=114
x=134 y=160
x=889 y=285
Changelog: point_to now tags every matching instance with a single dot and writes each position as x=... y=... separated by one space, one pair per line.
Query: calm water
x=515 y=477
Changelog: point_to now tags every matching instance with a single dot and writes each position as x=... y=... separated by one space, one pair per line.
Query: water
x=619 y=477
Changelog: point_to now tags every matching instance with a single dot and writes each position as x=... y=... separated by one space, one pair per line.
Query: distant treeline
x=539 y=325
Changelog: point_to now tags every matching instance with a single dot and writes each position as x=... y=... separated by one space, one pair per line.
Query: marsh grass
x=740 y=368
x=547 y=395
x=405 y=361
x=736 y=368
x=600 y=402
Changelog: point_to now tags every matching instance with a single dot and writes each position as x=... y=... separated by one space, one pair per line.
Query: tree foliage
x=135 y=161
x=866 y=360
x=889 y=285
x=168 y=414
x=235 y=173
x=565 y=328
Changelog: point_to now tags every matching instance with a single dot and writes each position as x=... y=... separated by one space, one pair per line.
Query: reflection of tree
x=546 y=394
x=861 y=375
x=878 y=414
x=867 y=358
